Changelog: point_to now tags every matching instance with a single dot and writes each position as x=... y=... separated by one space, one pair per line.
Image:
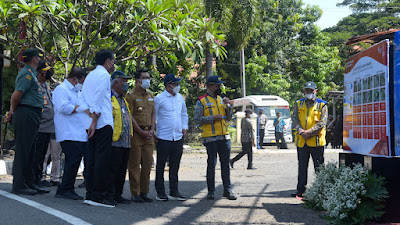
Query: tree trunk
x=209 y=62
x=66 y=69
x=154 y=60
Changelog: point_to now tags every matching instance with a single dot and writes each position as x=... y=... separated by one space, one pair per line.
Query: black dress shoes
x=145 y=198
x=122 y=200
x=231 y=163
x=83 y=185
x=210 y=196
x=24 y=191
x=40 y=189
x=44 y=183
x=55 y=183
x=229 y=195
x=137 y=199
x=69 y=195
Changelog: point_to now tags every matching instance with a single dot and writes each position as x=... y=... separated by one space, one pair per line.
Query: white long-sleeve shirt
x=96 y=92
x=69 y=126
x=171 y=116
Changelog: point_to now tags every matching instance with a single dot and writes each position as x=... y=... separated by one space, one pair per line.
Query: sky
x=331 y=14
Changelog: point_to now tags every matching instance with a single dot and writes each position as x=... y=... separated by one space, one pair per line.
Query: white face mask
x=78 y=87
x=176 y=89
x=145 y=83
x=310 y=96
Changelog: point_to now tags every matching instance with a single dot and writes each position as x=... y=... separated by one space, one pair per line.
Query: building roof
x=375 y=37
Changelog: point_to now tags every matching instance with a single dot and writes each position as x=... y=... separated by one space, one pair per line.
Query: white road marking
x=66 y=217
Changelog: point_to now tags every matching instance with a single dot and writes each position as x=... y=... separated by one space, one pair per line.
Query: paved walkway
x=263 y=197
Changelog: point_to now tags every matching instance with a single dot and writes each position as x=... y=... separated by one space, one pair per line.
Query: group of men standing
x=95 y=119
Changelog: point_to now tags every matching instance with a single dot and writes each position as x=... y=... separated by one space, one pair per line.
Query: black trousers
x=261 y=133
x=172 y=151
x=280 y=140
x=74 y=151
x=41 y=144
x=119 y=165
x=303 y=156
x=246 y=149
x=26 y=122
x=223 y=149
x=98 y=186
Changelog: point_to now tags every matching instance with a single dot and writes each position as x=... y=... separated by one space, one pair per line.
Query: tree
x=286 y=50
x=72 y=31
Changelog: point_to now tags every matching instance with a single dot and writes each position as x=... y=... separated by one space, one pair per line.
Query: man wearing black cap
x=122 y=134
x=212 y=113
x=172 y=124
x=46 y=127
x=309 y=119
x=25 y=111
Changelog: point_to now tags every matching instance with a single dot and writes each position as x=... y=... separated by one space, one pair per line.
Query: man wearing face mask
x=25 y=111
x=141 y=103
x=122 y=134
x=96 y=92
x=46 y=127
x=309 y=119
x=69 y=119
x=247 y=139
x=212 y=112
x=279 y=125
x=172 y=124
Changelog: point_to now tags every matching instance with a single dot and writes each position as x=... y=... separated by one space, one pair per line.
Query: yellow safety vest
x=118 y=118
x=213 y=107
x=308 y=117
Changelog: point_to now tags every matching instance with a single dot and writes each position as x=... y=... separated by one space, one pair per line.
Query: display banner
x=396 y=97
x=366 y=121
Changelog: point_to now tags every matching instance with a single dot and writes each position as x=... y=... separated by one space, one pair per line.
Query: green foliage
x=285 y=51
x=71 y=32
x=349 y=195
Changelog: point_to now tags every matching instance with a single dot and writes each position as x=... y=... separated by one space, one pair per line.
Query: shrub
x=348 y=195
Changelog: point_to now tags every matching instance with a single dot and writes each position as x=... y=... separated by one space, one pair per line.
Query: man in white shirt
x=70 y=130
x=96 y=92
x=172 y=125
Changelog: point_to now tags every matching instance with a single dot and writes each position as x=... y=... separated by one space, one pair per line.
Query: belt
x=31 y=107
x=145 y=127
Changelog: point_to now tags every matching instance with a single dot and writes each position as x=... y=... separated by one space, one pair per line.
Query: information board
x=366 y=124
x=396 y=97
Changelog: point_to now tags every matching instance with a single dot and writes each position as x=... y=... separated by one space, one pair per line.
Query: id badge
x=123 y=111
x=227 y=137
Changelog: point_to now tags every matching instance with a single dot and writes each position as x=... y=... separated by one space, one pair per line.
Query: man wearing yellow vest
x=122 y=134
x=309 y=119
x=212 y=113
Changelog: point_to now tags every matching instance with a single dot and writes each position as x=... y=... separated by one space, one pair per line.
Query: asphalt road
x=263 y=198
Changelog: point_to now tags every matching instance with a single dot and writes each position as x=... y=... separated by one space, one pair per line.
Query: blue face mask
x=125 y=87
x=145 y=83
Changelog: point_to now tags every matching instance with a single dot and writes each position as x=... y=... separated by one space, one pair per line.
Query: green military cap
x=30 y=52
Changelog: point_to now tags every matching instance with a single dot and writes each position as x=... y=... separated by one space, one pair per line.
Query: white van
x=271 y=104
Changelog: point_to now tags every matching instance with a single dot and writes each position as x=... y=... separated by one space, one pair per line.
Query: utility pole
x=1 y=93
x=242 y=72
